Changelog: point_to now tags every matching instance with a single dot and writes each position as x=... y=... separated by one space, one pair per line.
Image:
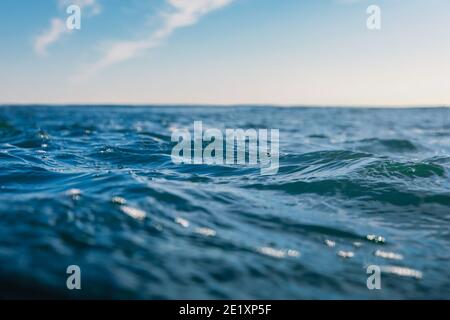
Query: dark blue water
x=96 y=187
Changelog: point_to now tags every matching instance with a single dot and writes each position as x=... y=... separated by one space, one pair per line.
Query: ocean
x=96 y=187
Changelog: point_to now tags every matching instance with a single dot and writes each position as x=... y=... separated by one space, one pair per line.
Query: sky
x=226 y=52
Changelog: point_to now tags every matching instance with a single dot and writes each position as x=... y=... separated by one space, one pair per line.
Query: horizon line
x=217 y=105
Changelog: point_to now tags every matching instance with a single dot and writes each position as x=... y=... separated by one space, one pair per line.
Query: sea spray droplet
x=330 y=243
x=375 y=238
x=278 y=253
x=388 y=255
x=345 y=254
x=272 y=252
x=293 y=253
x=133 y=212
x=182 y=222
x=75 y=194
x=118 y=200
x=206 y=232
x=402 y=271
x=357 y=244
x=43 y=135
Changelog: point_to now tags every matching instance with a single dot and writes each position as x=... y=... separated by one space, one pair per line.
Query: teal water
x=96 y=187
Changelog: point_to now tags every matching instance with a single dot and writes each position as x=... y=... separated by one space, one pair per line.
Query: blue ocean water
x=95 y=186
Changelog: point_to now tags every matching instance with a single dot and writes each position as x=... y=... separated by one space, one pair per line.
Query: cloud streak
x=180 y=13
x=58 y=28
x=53 y=34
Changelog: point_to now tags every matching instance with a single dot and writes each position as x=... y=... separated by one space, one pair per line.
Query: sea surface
x=95 y=186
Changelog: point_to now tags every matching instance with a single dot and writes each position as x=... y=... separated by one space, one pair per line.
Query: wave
x=96 y=187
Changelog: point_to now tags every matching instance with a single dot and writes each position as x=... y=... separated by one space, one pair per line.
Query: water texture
x=96 y=187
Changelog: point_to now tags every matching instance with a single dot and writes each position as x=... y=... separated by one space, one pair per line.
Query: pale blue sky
x=290 y=52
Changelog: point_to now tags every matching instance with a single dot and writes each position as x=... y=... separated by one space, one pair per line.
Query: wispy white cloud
x=53 y=34
x=58 y=28
x=179 y=14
